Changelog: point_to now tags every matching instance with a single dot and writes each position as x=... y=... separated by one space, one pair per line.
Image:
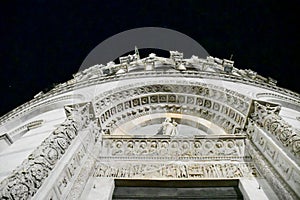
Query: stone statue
x=169 y=127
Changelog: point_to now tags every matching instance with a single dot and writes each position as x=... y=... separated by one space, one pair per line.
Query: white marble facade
x=153 y=118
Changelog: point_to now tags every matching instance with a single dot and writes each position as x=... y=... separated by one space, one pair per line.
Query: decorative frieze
x=27 y=178
x=175 y=170
x=281 y=163
x=267 y=117
x=223 y=108
x=266 y=169
x=176 y=61
x=176 y=93
x=221 y=147
x=110 y=119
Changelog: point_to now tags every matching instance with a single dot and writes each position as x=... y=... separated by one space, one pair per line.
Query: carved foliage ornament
x=27 y=178
x=266 y=116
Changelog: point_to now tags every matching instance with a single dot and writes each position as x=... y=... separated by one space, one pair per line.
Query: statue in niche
x=169 y=127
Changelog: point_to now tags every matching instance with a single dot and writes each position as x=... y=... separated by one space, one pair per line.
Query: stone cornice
x=73 y=85
x=36 y=103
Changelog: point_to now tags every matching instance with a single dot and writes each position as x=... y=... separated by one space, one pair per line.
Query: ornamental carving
x=276 y=182
x=168 y=127
x=267 y=117
x=201 y=95
x=27 y=178
x=174 y=147
x=175 y=170
x=111 y=120
x=202 y=101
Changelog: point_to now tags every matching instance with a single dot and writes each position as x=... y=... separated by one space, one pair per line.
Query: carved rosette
x=27 y=178
x=266 y=116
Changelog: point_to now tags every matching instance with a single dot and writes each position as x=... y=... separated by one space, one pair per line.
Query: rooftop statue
x=131 y=63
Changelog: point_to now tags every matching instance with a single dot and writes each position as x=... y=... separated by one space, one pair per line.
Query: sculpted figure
x=174 y=131
x=164 y=148
x=153 y=148
x=168 y=127
x=143 y=148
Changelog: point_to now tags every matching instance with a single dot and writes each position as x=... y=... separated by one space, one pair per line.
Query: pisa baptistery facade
x=154 y=128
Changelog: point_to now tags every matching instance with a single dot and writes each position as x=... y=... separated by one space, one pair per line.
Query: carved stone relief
x=206 y=93
x=266 y=169
x=266 y=116
x=175 y=170
x=168 y=127
x=281 y=163
x=205 y=147
x=27 y=178
x=229 y=118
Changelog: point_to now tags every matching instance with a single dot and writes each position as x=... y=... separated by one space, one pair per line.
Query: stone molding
x=282 y=189
x=35 y=103
x=229 y=97
x=225 y=108
x=18 y=132
x=73 y=85
x=27 y=178
x=175 y=170
x=281 y=97
x=267 y=117
x=220 y=118
x=278 y=143
x=206 y=148
x=86 y=171
x=67 y=182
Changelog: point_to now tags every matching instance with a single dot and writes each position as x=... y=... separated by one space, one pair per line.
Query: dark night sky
x=44 y=42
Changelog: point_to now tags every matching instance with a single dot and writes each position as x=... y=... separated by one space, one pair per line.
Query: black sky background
x=44 y=42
